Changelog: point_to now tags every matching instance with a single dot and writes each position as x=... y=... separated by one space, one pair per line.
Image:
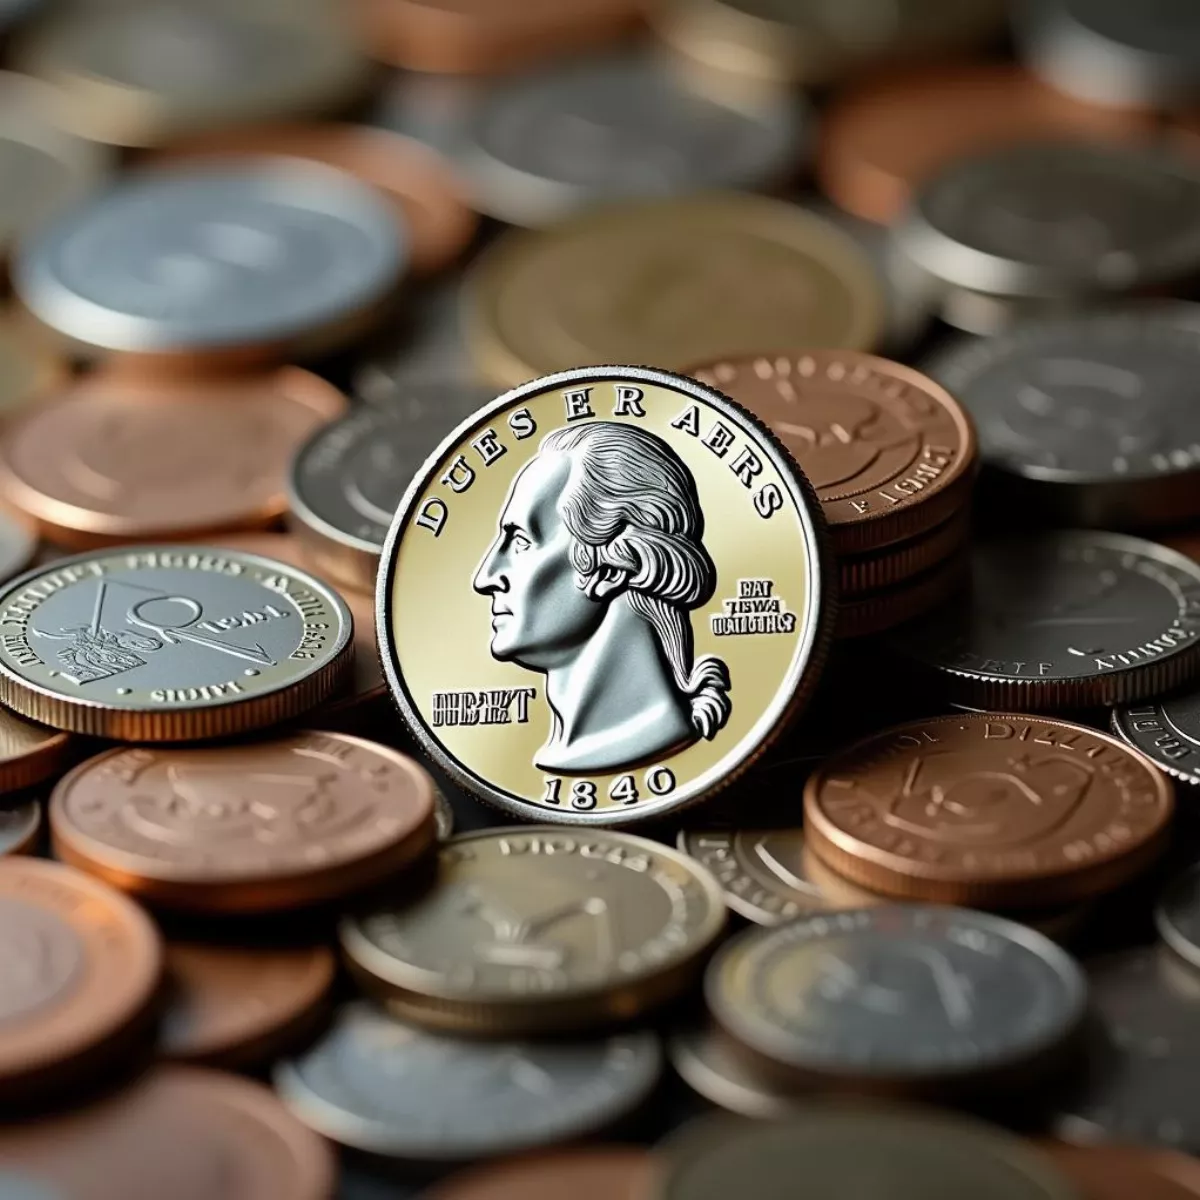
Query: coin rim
x=1119 y=724
x=1181 y=945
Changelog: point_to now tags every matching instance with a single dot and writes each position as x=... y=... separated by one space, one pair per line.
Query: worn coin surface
x=890 y=453
x=390 y=1089
x=1167 y=731
x=528 y=930
x=669 y=282
x=1178 y=916
x=588 y=1173
x=19 y=827
x=245 y=827
x=1065 y=620
x=30 y=754
x=632 y=570
x=993 y=810
x=80 y=965
x=169 y=643
x=1088 y=420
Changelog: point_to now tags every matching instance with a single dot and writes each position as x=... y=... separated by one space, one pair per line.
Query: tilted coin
x=169 y=643
x=30 y=754
x=533 y=929
x=902 y=562
x=588 y=1173
x=19 y=827
x=1167 y=731
x=277 y=257
x=114 y=460
x=645 y=552
x=1118 y=1172
x=669 y=282
x=390 y=1089
x=911 y=998
x=995 y=810
x=1088 y=420
x=1063 y=620
x=248 y=827
x=875 y=611
x=80 y=965
x=1178 y=916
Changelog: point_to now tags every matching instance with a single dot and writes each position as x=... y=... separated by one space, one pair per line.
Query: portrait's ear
x=605 y=583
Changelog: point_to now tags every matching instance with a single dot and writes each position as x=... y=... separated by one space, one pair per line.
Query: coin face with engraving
x=169 y=643
x=79 y=965
x=390 y=1089
x=632 y=567
x=1167 y=731
x=247 y=827
x=988 y=809
x=918 y=997
x=528 y=930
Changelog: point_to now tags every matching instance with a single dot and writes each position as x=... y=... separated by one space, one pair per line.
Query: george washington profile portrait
x=597 y=563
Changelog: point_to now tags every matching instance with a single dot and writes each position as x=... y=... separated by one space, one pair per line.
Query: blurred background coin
x=1177 y=916
x=30 y=754
x=216 y=259
x=252 y=827
x=169 y=643
x=19 y=827
x=112 y=459
x=81 y=965
x=586 y=1173
x=1064 y=620
x=669 y=282
x=443 y=815
x=1166 y=731
x=17 y=546
x=1116 y=1172
x=387 y=1088
x=27 y=370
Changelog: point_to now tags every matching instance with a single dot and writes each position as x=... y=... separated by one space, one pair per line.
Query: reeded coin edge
x=1118 y=723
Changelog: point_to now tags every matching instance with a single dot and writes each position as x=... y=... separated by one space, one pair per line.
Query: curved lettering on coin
x=40 y=958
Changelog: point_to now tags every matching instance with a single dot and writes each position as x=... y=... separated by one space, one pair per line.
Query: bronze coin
x=115 y=459
x=19 y=827
x=989 y=810
x=876 y=611
x=79 y=965
x=891 y=453
x=594 y=1173
x=237 y=1006
x=900 y=562
x=179 y=1132
x=244 y=828
x=1123 y=1172
x=30 y=753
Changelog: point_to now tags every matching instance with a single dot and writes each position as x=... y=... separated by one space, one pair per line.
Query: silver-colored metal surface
x=704 y=1060
x=1177 y=916
x=434 y=109
x=1089 y=420
x=390 y=1089
x=1166 y=730
x=897 y=992
x=18 y=825
x=219 y=255
x=1075 y=619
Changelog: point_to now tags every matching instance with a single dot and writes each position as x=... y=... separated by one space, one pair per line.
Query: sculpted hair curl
x=631 y=504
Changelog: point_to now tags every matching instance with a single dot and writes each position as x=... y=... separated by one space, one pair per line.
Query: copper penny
x=243 y=828
x=423 y=187
x=1122 y=1172
x=874 y=612
x=79 y=965
x=116 y=459
x=182 y=1133
x=239 y=1006
x=885 y=136
x=988 y=809
x=891 y=453
x=596 y=1173
x=30 y=753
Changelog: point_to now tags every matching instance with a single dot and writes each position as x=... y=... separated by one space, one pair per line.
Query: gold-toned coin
x=27 y=368
x=541 y=929
x=30 y=754
x=603 y=596
x=669 y=282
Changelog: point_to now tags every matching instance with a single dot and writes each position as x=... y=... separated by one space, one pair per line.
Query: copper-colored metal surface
x=115 y=459
x=1126 y=1172
x=79 y=965
x=873 y=612
x=990 y=810
x=30 y=754
x=884 y=136
x=597 y=1173
x=429 y=201
x=250 y=827
x=899 y=563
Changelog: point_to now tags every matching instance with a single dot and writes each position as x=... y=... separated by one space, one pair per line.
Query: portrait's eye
x=519 y=542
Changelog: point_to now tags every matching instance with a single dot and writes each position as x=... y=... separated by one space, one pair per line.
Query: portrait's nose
x=489 y=576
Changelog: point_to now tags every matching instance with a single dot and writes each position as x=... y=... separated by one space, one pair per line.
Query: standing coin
x=1178 y=916
x=113 y=460
x=590 y=1173
x=1061 y=621
x=891 y=454
x=1118 y=1172
x=1167 y=731
x=80 y=965
x=620 y=552
x=30 y=754
x=169 y=643
x=389 y=1089
x=988 y=809
x=249 y=827
x=670 y=282
x=19 y=827
x=540 y=929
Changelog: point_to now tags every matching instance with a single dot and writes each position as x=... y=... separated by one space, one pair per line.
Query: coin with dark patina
x=1166 y=730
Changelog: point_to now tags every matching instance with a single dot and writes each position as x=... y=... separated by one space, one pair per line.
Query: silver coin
x=1075 y=619
x=390 y=1089
x=913 y=993
x=220 y=255
x=1114 y=52
x=1167 y=731
x=1090 y=420
x=19 y=826
x=548 y=143
x=1053 y=221
x=434 y=109
x=1177 y=916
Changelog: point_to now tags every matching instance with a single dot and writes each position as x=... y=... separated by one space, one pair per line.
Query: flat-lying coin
x=80 y=965
x=1178 y=916
x=993 y=810
x=169 y=643
x=1119 y=1172
x=1063 y=620
x=19 y=827
x=529 y=930
x=30 y=754
x=573 y=535
x=590 y=1173
x=390 y=1089
x=249 y=827
x=1167 y=731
